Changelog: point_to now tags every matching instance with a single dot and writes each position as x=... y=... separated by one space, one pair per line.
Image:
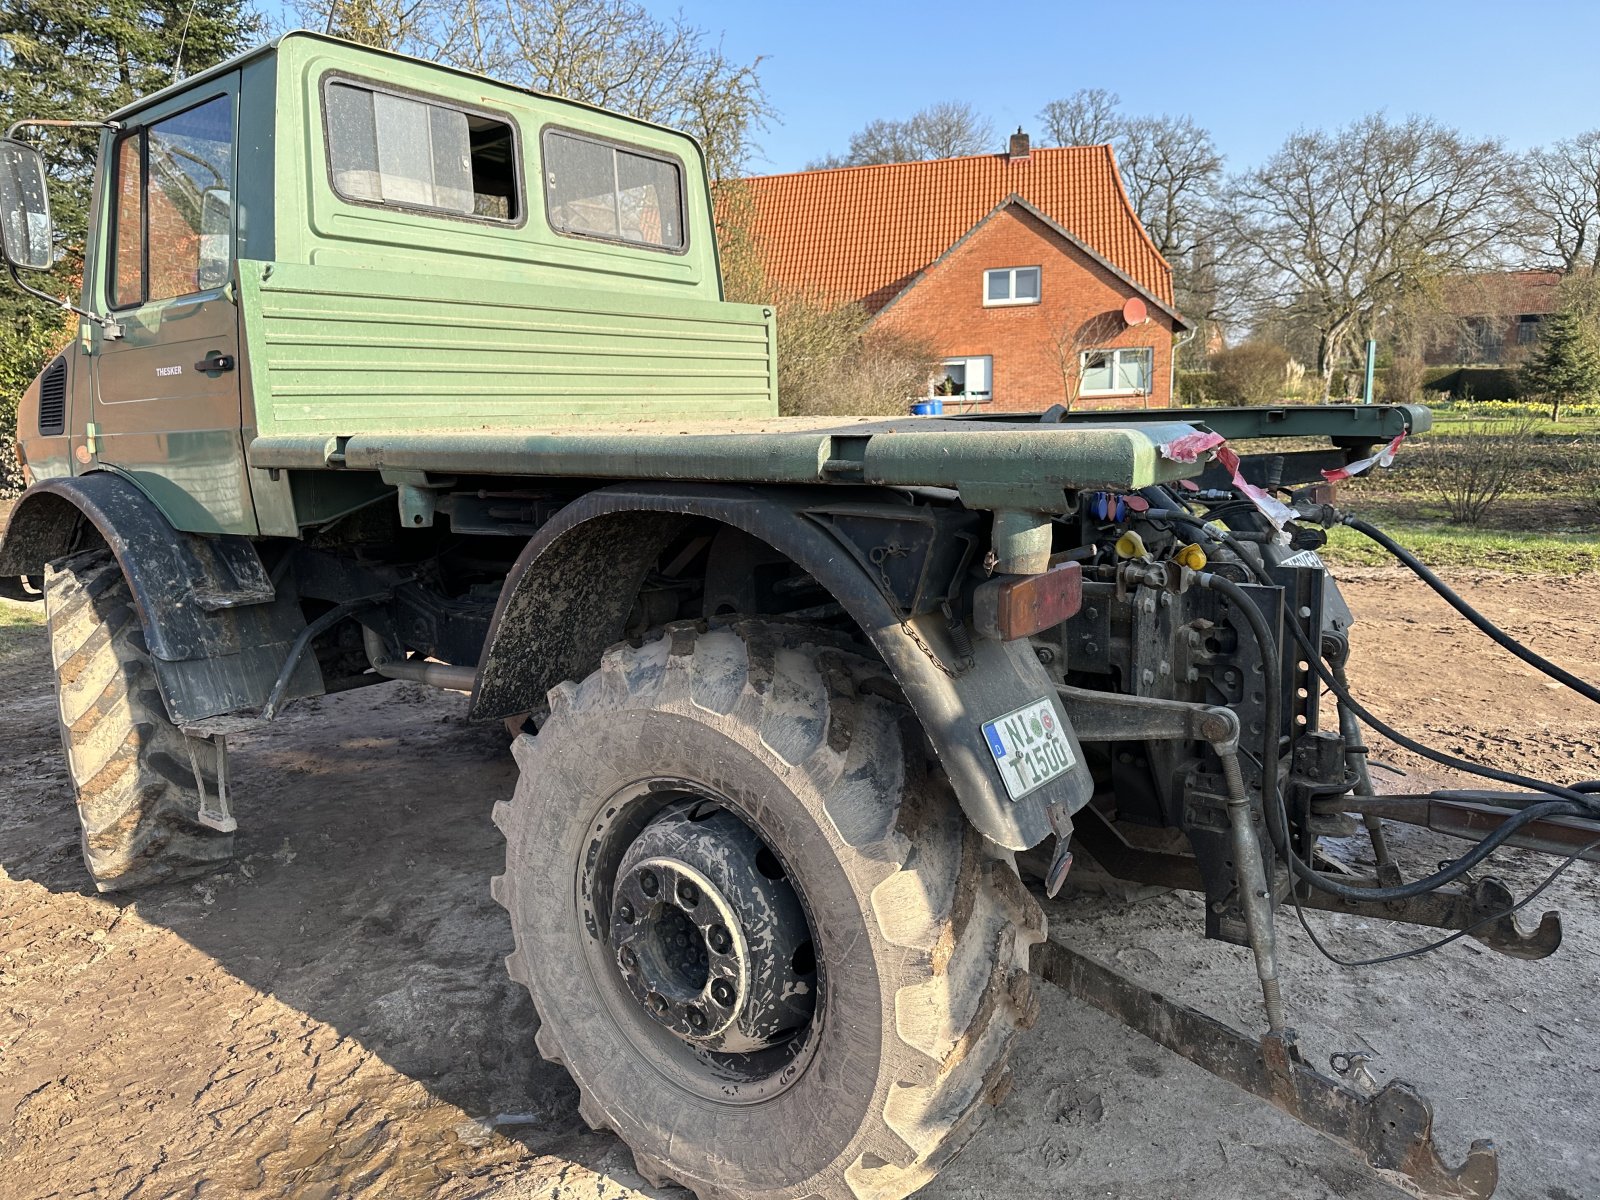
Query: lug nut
x=626 y=913
x=628 y=959
x=722 y=992
x=648 y=883
x=688 y=894
x=657 y=1002
x=719 y=940
x=697 y=1019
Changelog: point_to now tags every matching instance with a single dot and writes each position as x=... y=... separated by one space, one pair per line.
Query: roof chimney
x=1020 y=149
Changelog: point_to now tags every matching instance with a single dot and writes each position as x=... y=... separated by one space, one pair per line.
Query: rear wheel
x=759 y=934
x=132 y=769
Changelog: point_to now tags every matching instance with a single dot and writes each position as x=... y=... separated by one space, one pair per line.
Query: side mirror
x=25 y=230
x=216 y=236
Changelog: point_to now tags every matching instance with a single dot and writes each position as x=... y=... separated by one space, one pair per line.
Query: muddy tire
x=130 y=766
x=778 y=777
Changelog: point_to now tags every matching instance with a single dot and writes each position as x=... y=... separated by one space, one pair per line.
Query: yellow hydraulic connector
x=1191 y=556
x=1130 y=545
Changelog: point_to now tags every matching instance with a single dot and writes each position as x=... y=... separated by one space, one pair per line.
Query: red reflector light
x=1023 y=605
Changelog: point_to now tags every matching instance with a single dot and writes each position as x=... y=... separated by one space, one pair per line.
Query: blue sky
x=1251 y=72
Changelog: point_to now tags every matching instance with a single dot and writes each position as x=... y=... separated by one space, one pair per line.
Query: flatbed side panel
x=345 y=351
x=1352 y=422
x=992 y=466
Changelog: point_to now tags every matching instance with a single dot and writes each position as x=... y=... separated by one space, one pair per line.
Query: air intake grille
x=53 y=400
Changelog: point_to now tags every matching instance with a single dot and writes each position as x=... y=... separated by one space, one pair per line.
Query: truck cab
x=316 y=238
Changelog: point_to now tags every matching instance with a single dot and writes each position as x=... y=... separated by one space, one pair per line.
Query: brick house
x=1027 y=272
x=1491 y=318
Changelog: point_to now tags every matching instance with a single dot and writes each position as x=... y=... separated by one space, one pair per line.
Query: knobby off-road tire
x=922 y=929
x=130 y=765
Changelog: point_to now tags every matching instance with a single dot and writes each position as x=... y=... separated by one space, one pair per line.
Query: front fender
x=569 y=595
x=216 y=627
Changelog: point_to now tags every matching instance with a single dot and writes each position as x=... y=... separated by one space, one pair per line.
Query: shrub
x=1252 y=372
x=832 y=363
x=1197 y=388
x=1478 y=383
x=1487 y=462
x=1401 y=381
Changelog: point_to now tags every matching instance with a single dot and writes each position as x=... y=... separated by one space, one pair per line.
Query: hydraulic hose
x=1314 y=657
x=1571 y=804
x=1448 y=594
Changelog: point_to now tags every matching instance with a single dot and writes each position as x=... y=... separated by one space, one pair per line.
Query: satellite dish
x=1134 y=312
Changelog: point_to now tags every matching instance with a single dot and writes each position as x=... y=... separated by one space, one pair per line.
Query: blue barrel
x=928 y=408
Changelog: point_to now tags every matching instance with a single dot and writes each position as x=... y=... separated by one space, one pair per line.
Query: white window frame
x=1011 y=287
x=965 y=363
x=1116 y=353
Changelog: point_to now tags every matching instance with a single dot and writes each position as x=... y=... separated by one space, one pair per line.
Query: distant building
x=1027 y=271
x=1493 y=317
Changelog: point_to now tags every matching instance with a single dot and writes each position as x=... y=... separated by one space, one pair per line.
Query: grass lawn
x=1440 y=544
x=1546 y=520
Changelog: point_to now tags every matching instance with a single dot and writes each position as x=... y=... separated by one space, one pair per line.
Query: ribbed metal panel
x=53 y=399
x=341 y=352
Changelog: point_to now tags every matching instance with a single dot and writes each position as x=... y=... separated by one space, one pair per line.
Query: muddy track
x=330 y=1018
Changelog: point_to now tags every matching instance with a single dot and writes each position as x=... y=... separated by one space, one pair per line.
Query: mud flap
x=569 y=593
x=217 y=628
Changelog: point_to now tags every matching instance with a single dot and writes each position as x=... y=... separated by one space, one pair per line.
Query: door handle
x=215 y=362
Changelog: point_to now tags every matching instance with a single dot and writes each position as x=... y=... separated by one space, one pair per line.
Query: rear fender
x=570 y=593
x=216 y=626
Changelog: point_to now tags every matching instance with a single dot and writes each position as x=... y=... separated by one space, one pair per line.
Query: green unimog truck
x=386 y=371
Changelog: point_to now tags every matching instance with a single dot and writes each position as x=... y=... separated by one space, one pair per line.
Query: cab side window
x=173 y=192
x=404 y=152
x=616 y=193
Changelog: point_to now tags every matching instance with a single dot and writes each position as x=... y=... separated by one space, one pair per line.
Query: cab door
x=166 y=403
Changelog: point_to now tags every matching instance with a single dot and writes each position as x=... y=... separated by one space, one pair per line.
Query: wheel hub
x=708 y=934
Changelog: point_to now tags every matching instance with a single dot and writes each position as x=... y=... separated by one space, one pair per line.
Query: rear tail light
x=1023 y=605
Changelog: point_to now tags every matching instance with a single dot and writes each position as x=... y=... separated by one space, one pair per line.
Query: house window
x=968 y=378
x=1011 y=285
x=1528 y=329
x=172 y=230
x=621 y=194
x=403 y=152
x=1110 y=372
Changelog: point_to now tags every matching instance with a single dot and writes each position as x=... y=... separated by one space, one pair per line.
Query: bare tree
x=1088 y=117
x=613 y=53
x=1339 y=224
x=1071 y=340
x=1558 y=191
x=948 y=129
x=1171 y=168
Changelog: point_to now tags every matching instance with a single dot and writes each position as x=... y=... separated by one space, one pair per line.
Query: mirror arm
x=112 y=326
x=11 y=130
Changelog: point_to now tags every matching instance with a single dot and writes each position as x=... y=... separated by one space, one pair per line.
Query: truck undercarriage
x=801 y=707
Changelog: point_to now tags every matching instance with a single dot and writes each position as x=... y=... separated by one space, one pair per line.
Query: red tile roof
x=1502 y=293
x=862 y=233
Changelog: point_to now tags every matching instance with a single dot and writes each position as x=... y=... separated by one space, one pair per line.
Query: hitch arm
x=1473 y=815
x=1392 y=1129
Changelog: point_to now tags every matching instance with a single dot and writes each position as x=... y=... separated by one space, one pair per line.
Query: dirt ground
x=331 y=1018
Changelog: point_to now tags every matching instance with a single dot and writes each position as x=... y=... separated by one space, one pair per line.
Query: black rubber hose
x=1501 y=638
x=1314 y=657
x=1272 y=799
x=1272 y=698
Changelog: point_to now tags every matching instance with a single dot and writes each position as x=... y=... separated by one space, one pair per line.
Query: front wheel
x=759 y=933
x=136 y=775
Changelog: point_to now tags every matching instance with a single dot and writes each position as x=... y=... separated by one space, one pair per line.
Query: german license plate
x=1029 y=747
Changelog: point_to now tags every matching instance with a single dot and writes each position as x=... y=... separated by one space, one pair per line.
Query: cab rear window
x=618 y=193
x=408 y=152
